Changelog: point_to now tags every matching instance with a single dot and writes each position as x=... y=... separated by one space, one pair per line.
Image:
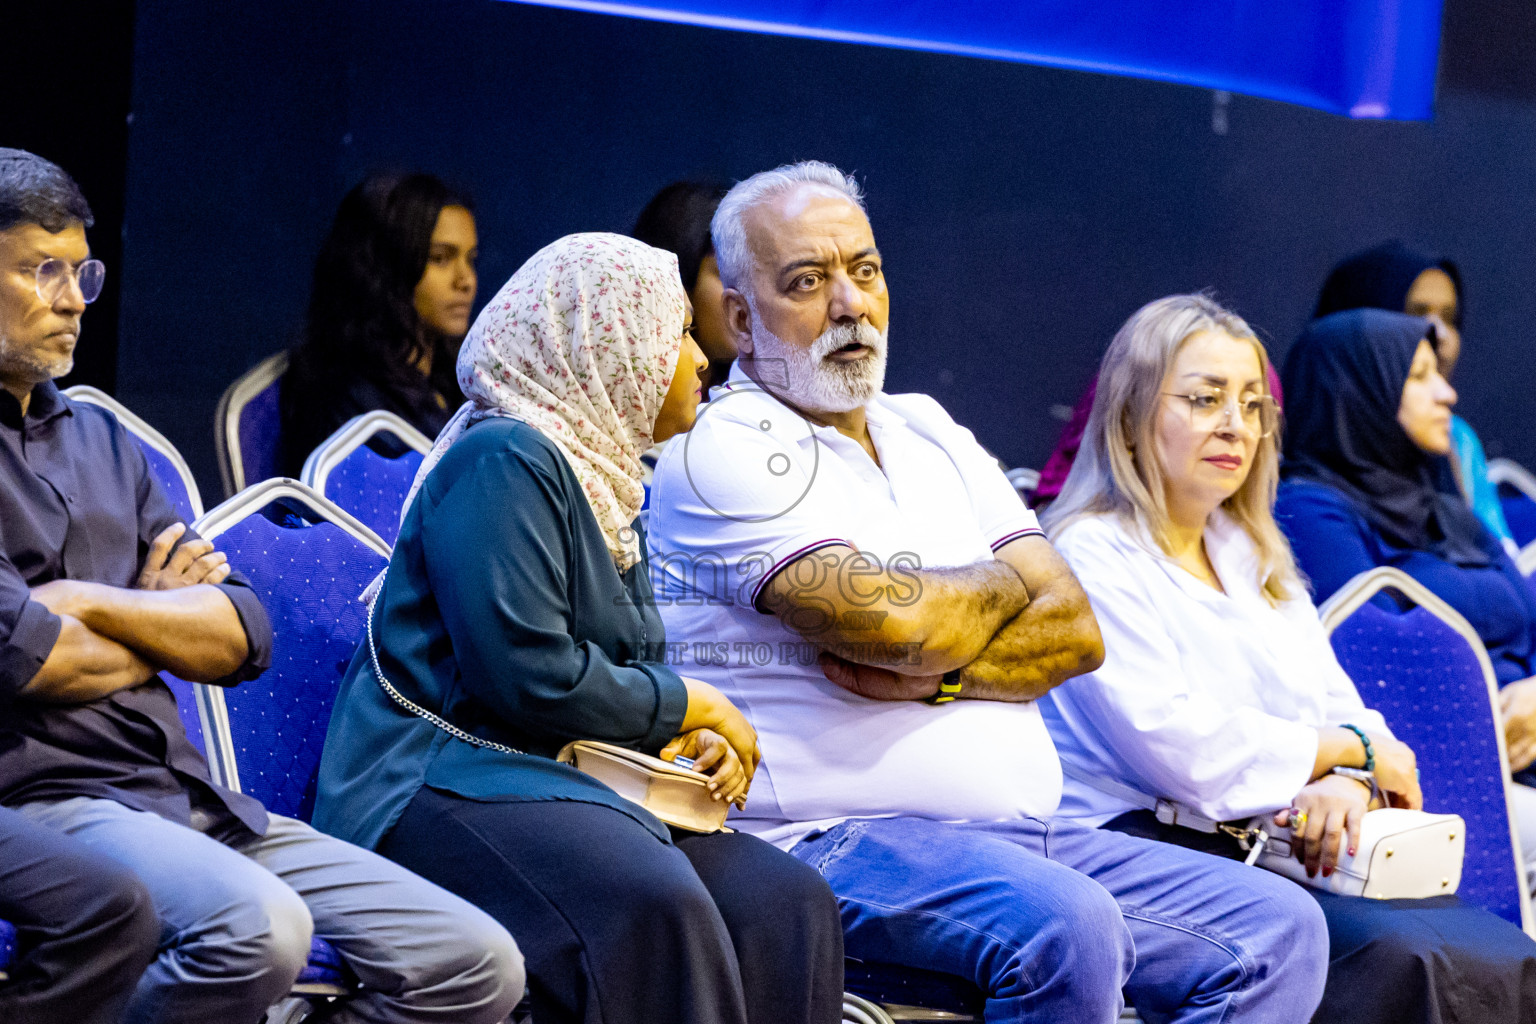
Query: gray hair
x=728 y=230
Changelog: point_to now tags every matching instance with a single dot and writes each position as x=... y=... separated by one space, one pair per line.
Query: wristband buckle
x=949 y=688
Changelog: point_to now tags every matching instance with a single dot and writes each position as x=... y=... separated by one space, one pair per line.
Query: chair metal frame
x=226 y=418
x=1024 y=479
x=350 y=436
x=1508 y=471
x=1350 y=597
x=211 y=709
x=145 y=433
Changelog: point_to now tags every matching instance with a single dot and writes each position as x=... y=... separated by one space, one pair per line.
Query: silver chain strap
x=417 y=709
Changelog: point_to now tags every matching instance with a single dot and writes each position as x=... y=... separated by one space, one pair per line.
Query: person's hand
x=876 y=683
x=708 y=709
x=1329 y=814
x=1517 y=705
x=168 y=566
x=712 y=756
x=1397 y=772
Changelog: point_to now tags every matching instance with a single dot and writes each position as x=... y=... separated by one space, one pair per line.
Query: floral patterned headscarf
x=581 y=344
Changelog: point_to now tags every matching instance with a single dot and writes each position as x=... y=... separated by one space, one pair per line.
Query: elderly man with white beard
x=856 y=574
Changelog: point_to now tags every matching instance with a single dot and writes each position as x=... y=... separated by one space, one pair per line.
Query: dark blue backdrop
x=1024 y=211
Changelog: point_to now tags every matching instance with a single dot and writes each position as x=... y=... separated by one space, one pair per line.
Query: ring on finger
x=1298 y=821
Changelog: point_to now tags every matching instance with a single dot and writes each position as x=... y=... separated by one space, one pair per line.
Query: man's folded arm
x=194 y=632
x=917 y=622
x=1054 y=638
x=84 y=666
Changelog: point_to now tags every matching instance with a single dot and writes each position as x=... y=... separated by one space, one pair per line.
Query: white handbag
x=1402 y=854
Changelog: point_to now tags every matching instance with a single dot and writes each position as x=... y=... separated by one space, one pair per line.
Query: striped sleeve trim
x=787 y=559
x=1028 y=531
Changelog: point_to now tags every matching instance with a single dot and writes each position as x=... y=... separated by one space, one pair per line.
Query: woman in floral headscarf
x=517 y=612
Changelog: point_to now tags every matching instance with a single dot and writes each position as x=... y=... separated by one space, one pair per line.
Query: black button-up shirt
x=78 y=501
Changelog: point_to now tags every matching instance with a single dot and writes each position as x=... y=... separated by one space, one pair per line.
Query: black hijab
x=1380 y=278
x=1344 y=382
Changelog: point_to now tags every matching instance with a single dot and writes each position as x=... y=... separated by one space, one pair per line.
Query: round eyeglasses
x=1210 y=409
x=53 y=276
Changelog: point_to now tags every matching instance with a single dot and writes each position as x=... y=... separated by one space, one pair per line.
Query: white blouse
x=1205 y=698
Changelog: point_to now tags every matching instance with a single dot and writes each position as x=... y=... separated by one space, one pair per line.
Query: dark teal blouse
x=503 y=613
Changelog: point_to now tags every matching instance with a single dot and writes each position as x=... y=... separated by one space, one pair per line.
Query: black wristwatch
x=949 y=688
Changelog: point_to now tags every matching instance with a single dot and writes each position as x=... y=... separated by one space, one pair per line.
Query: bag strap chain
x=417 y=709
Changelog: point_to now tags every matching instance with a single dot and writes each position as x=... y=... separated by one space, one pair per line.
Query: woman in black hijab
x=1394 y=277
x=1366 y=483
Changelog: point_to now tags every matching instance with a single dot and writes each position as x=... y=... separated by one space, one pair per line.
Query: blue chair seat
x=7 y=946
x=325 y=972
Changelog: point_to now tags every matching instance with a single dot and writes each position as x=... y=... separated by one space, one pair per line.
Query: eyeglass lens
x=1209 y=410
x=53 y=277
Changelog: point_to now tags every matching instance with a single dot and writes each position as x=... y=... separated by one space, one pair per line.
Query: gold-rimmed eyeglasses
x=1211 y=409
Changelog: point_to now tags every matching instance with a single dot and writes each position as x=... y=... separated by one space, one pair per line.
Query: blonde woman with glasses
x=1219 y=691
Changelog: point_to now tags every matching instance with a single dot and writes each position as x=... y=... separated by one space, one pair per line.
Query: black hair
x=677 y=220
x=35 y=191
x=362 y=317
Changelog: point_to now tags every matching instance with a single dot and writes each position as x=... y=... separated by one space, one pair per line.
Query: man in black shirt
x=101 y=589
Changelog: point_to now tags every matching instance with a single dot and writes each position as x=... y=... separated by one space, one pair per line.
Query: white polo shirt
x=752 y=488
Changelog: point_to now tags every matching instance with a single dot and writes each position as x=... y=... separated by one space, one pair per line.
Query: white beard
x=19 y=362
x=809 y=378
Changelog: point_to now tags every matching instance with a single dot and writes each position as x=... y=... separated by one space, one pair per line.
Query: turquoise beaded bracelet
x=1370 y=751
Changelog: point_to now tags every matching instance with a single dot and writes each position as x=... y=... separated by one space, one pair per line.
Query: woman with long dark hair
x=390 y=304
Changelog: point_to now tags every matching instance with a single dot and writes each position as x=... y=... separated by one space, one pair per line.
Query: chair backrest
x=371 y=485
x=246 y=426
x=164 y=460
x=1517 y=496
x=308 y=561
x=1427 y=673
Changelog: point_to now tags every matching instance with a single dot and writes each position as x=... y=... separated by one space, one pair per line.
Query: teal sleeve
x=497 y=547
x=1472 y=468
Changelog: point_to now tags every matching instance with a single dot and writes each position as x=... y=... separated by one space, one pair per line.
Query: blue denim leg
x=1216 y=940
x=1044 y=942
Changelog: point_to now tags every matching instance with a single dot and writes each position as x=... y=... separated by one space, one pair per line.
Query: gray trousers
x=236 y=922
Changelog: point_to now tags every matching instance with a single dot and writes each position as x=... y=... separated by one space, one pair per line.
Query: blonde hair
x=1117 y=471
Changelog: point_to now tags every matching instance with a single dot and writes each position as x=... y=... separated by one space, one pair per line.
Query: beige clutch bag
x=678 y=796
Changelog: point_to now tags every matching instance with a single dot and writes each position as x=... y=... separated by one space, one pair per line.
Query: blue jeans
x=236 y=920
x=1051 y=920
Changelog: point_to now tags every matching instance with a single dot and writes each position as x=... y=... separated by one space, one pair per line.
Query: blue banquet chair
x=246 y=425
x=1420 y=664
x=307 y=560
x=164 y=460
x=367 y=467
